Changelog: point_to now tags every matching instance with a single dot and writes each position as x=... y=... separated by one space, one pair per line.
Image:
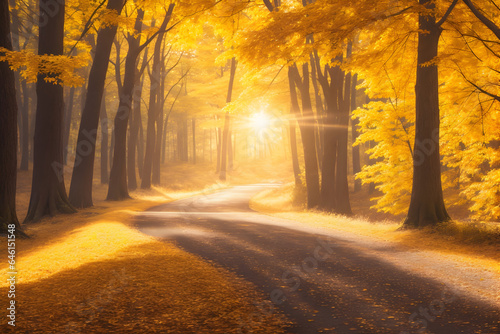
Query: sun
x=260 y=121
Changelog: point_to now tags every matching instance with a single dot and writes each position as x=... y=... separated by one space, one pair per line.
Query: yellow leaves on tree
x=58 y=69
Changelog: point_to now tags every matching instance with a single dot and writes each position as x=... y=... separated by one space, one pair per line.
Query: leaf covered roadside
x=92 y=273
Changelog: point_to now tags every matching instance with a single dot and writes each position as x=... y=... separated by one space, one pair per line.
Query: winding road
x=327 y=281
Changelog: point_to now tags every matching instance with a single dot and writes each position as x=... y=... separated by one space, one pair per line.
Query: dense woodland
x=402 y=94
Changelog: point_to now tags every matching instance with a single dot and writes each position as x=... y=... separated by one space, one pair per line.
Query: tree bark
x=427 y=203
x=342 y=184
x=67 y=122
x=193 y=123
x=227 y=120
x=104 y=141
x=25 y=134
x=48 y=193
x=118 y=188
x=293 y=149
x=80 y=193
x=218 y=143
x=154 y=105
x=23 y=101
x=8 y=133
x=356 y=161
x=334 y=182
x=307 y=131
x=135 y=124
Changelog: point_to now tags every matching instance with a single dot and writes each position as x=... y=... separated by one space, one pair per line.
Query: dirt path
x=328 y=281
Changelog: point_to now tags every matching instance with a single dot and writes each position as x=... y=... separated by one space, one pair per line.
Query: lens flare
x=260 y=121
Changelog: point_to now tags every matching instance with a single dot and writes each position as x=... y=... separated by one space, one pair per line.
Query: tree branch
x=448 y=12
x=486 y=21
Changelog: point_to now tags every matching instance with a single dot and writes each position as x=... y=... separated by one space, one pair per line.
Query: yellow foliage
x=57 y=69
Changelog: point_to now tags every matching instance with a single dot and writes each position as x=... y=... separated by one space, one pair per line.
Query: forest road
x=323 y=280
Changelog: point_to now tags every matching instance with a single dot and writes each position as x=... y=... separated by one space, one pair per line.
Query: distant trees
x=411 y=125
x=227 y=123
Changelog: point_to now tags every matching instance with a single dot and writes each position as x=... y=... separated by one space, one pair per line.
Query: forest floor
x=93 y=272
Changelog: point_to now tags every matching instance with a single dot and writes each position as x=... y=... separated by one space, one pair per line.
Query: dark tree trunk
x=104 y=141
x=140 y=148
x=356 y=161
x=25 y=134
x=135 y=124
x=307 y=132
x=334 y=180
x=48 y=193
x=154 y=105
x=156 y=172
x=164 y=140
x=23 y=101
x=111 y=145
x=227 y=120
x=8 y=133
x=427 y=204
x=319 y=110
x=342 y=185
x=80 y=193
x=133 y=137
x=67 y=122
x=34 y=103
x=118 y=188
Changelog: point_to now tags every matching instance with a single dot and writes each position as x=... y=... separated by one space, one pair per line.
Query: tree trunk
x=164 y=151
x=218 y=143
x=8 y=133
x=34 y=103
x=48 y=193
x=356 y=161
x=80 y=193
x=25 y=134
x=118 y=188
x=227 y=119
x=230 y=151
x=140 y=148
x=156 y=173
x=334 y=182
x=104 y=141
x=193 y=122
x=154 y=105
x=342 y=184
x=293 y=149
x=319 y=110
x=307 y=132
x=67 y=122
x=23 y=101
x=427 y=204
x=135 y=124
